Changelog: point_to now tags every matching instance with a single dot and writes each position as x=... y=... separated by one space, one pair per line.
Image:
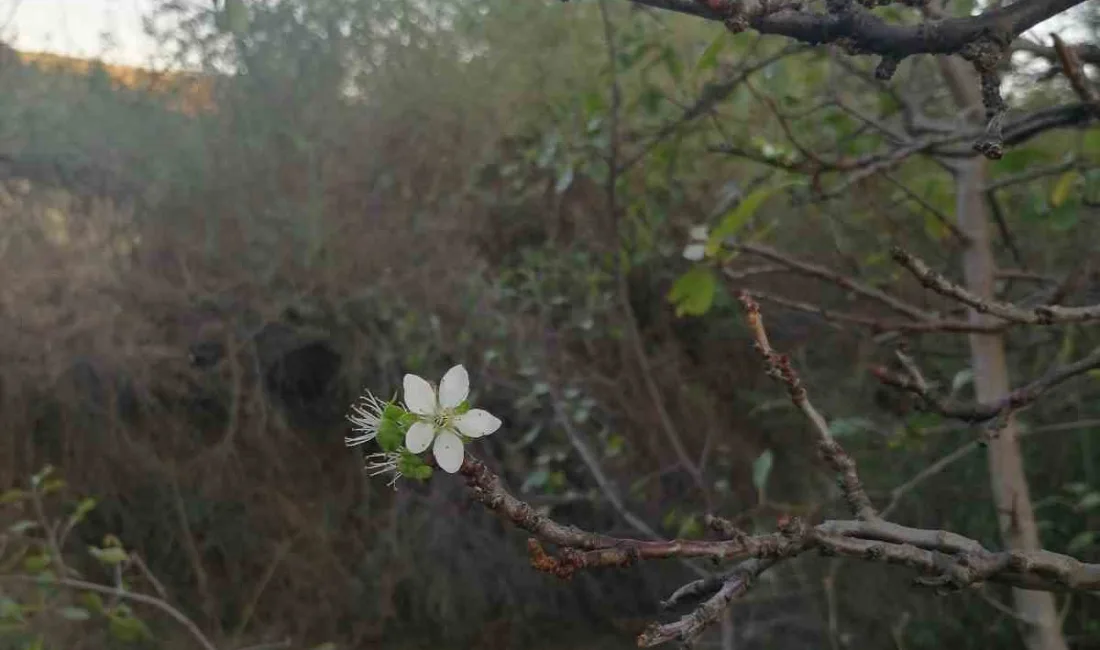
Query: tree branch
x=1015 y=400
x=1042 y=315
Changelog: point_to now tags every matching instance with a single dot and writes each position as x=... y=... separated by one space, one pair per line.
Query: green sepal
x=411 y=466
x=392 y=428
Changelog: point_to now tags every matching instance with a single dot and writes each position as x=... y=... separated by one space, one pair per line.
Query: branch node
x=886 y=68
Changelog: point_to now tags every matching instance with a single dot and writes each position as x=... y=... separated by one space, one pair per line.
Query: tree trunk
x=1040 y=624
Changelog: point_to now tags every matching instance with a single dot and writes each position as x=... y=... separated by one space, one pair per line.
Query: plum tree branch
x=1041 y=315
x=866 y=33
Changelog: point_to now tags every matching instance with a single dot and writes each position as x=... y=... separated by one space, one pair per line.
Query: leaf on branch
x=961 y=379
x=74 y=613
x=734 y=220
x=1081 y=541
x=1063 y=187
x=761 y=469
x=693 y=293
x=709 y=59
x=109 y=556
x=849 y=426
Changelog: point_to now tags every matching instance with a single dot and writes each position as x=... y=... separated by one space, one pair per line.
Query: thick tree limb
x=952 y=559
x=866 y=33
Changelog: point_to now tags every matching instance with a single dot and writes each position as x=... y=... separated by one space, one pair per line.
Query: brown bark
x=1040 y=624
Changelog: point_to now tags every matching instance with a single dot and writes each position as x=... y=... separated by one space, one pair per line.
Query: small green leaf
x=1081 y=541
x=615 y=445
x=36 y=563
x=735 y=219
x=1089 y=501
x=690 y=527
x=128 y=629
x=849 y=426
x=42 y=475
x=82 y=509
x=53 y=485
x=110 y=556
x=535 y=480
x=672 y=63
x=92 y=601
x=693 y=293
x=709 y=59
x=961 y=378
x=12 y=496
x=670 y=519
x=74 y=613
x=10 y=610
x=22 y=526
x=565 y=180
x=761 y=469
x=1062 y=188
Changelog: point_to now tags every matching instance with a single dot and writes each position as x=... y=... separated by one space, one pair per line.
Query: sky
x=78 y=28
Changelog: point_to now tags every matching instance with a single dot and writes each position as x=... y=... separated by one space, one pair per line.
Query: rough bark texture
x=1011 y=495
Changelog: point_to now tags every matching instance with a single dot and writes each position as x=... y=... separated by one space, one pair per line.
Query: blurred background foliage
x=202 y=270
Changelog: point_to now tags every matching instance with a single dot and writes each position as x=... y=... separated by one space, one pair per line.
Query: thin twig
x=779 y=367
x=157 y=603
x=1042 y=315
x=1013 y=401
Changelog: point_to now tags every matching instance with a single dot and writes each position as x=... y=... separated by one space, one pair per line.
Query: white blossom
x=438 y=424
x=697 y=249
x=695 y=252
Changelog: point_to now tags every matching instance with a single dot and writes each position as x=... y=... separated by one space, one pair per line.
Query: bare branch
x=733 y=585
x=1071 y=66
x=822 y=273
x=1015 y=400
x=866 y=33
x=779 y=367
x=1086 y=52
x=876 y=325
x=1042 y=315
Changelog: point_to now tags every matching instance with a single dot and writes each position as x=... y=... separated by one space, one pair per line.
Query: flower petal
x=454 y=388
x=419 y=396
x=476 y=423
x=419 y=437
x=695 y=252
x=700 y=233
x=448 y=451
